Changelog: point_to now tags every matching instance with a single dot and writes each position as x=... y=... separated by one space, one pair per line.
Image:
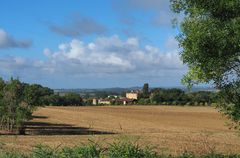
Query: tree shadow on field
x=38 y=117
x=39 y=126
x=44 y=128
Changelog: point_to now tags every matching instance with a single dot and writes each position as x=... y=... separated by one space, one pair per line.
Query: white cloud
x=105 y=56
x=47 y=52
x=110 y=55
x=6 y=41
x=171 y=43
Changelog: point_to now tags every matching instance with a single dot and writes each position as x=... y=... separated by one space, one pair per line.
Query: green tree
x=2 y=85
x=34 y=94
x=17 y=102
x=145 y=90
x=73 y=99
x=210 y=38
x=13 y=111
x=155 y=98
x=170 y=96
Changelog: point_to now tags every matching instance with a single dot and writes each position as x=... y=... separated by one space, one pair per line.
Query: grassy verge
x=94 y=150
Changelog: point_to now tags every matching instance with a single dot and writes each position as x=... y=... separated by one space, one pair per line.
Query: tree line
x=175 y=96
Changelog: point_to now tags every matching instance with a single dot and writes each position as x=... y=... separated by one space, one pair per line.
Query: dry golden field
x=168 y=129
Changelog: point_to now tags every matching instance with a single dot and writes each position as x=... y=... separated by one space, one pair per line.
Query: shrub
x=88 y=151
x=84 y=151
x=11 y=155
x=41 y=151
x=129 y=150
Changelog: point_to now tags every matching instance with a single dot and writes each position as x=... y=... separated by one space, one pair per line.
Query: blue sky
x=89 y=43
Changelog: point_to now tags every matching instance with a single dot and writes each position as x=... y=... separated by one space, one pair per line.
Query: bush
x=89 y=151
x=129 y=150
x=84 y=151
x=41 y=151
x=143 y=101
x=11 y=155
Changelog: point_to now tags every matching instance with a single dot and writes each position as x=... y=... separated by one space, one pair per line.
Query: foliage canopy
x=18 y=100
x=210 y=38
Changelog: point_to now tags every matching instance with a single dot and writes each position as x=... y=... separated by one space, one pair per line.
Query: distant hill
x=119 y=90
x=115 y=90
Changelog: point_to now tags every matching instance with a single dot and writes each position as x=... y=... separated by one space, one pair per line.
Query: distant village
x=143 y=96
x=131 y=98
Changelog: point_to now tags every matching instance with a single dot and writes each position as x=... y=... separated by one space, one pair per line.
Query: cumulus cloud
x=12 y=66
x=105 y=56
x=110 y=55
x=79 y=26
x=171 y=43
x=7 y=41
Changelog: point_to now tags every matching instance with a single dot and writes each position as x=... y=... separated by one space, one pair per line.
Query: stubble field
x=168 y=129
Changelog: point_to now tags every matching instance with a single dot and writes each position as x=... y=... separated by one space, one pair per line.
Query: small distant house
x=126 y=101
x=104 y=101
x=132 y=95
x=95 y=101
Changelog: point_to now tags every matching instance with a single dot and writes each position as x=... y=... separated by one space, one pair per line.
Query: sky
x=90 y=43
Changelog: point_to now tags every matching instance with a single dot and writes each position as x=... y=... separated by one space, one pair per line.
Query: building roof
x=126 y=99
x=104 y=100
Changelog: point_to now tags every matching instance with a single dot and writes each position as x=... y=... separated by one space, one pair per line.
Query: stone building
x=132 y=95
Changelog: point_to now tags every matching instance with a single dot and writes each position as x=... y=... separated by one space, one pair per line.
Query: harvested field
x=169 y=129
